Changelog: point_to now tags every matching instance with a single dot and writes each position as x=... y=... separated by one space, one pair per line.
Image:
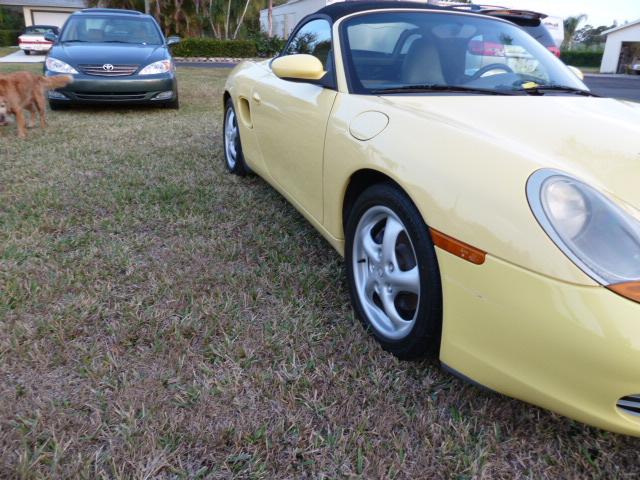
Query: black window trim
x=329 y=80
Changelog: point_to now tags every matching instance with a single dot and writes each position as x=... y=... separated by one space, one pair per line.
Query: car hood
x=595 y=139
x=96 y=53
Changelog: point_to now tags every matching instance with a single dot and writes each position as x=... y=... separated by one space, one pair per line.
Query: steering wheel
x=488 y=68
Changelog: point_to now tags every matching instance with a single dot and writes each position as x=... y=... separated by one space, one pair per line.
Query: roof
x=46 y=3
x=621 y=27
x=342 y=9
x=109 y=11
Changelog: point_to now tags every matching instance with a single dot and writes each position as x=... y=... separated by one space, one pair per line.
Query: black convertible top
x=342 y=9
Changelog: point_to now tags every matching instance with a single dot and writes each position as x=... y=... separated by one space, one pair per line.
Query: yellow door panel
x=290 y=121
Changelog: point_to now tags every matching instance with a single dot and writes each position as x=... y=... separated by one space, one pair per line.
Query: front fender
x=465 y=183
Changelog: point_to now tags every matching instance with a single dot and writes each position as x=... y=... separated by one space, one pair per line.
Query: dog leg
x=42 y=109
x=32 y=116
x=21 y=122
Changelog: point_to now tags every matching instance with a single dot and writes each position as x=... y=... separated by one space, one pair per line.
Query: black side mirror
x=50 y=37
x=173 y=40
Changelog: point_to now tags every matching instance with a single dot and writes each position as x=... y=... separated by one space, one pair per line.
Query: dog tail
x=57 y=81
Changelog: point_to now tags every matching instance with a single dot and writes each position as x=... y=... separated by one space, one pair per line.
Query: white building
x=286 y=16
x=622 y=48
x=46 y=12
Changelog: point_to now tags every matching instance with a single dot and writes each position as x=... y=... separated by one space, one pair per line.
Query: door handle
x=256 y=98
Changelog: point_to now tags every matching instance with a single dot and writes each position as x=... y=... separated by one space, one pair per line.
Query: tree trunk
x=235 y=33
x=226 y=23
x=215 y=31
x=270 y=15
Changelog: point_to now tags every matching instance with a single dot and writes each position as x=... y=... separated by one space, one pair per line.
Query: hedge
x=208 y=47
x=9 y=38
x=581 y=58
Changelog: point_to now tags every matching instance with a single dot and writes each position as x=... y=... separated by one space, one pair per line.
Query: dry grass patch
x=162 y=319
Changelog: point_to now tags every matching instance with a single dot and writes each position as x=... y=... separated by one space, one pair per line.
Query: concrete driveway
x=20 y=57
x=616 y=86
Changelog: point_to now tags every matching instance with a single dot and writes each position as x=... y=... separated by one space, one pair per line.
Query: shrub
x=9 y=38
x=581 y=58
x=208 y=47
x=267 y=47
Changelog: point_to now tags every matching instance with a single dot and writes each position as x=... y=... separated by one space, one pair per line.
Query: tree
x=571 y=24
x=589 y=36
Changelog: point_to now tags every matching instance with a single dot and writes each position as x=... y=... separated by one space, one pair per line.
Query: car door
x=291 y=117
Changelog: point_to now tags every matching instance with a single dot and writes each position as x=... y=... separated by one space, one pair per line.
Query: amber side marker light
x=458 y=248
x=630 y=290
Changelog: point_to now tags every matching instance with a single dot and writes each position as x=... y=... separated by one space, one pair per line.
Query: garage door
x=49 y=18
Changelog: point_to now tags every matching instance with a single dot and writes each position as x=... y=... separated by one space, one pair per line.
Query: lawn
x=6 y=51
x=160 y=318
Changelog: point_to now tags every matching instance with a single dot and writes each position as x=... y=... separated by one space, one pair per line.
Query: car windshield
x=40 y=29
x=111 y=29
x=413 y=50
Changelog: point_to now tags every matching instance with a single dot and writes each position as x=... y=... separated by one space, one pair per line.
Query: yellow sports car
x=486 y=203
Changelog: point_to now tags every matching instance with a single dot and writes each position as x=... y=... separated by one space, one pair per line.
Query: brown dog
x=25 y=90
x=4 y=111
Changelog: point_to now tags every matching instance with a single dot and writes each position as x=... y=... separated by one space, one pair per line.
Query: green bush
x=208 y=47
x=9 y=38
x=267 y=47
x=581 y=58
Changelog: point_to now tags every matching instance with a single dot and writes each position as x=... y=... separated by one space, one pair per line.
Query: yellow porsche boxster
x=486 y=202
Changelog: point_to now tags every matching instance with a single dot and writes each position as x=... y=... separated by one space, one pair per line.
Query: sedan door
x=290 y=120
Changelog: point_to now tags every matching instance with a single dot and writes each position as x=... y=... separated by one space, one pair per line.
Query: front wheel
x=174 y=104
x=234 y=159
x=54 y=106
x=393 y=274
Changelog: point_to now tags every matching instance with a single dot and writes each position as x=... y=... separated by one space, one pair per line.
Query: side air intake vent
x=630 y=404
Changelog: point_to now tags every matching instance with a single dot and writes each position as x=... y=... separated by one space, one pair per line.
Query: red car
x=530 y=22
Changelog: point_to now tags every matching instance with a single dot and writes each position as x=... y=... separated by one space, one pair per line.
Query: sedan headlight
x=58 y=66
x=599 y=235
x=162 y=66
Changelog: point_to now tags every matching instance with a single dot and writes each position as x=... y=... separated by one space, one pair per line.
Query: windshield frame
x=354 y=85
x=145 y=18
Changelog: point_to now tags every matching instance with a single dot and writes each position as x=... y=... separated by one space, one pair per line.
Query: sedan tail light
x=555 y=50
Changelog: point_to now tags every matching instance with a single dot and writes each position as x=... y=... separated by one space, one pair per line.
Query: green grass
x=160 y=318
x=7 y=50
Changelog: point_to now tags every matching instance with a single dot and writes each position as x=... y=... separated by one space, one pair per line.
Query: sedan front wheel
x=393 y=272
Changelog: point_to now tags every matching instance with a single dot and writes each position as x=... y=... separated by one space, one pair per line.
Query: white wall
x=46 y=15
x=614 y=46
x=287 y=16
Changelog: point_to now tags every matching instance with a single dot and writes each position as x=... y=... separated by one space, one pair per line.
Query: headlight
x=58 y=66
x=597 y=234
x=162 y=66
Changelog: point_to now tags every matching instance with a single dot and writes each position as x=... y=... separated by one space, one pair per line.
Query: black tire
x=237 y=167
x=27 y=52
x=423 y=339
x=173 y=105
x=54 y=106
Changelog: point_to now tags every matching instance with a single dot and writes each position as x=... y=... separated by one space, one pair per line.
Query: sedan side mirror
x=173 y=40
x=577 y=72
x=50 y=37
x=298 y=67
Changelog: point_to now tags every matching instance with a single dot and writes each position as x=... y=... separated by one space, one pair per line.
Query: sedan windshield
x=110 y=29
x=411 y=51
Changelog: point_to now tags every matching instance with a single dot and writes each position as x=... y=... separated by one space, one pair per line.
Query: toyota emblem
x=107 y=67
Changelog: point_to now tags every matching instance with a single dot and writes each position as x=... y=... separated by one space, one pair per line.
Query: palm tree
x=571 y=25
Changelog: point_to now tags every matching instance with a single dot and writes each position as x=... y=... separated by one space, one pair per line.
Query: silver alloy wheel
x=231 y=138
x=386 y=273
